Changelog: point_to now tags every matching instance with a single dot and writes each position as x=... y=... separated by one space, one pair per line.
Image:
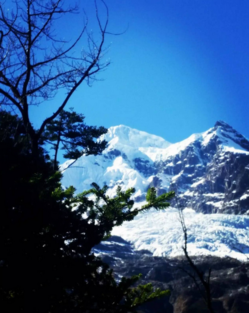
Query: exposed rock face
x=209 y=172
x=229 y=279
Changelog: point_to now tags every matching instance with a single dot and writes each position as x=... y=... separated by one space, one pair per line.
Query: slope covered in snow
x=128 y=136
x=161 y=233
x=208 y=171
x=120 y=163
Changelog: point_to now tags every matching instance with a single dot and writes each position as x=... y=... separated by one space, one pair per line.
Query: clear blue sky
x=179 y=67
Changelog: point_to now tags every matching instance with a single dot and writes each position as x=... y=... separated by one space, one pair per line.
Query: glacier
x=160 y=232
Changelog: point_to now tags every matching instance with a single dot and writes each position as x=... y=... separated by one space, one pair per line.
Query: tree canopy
x=75 y=137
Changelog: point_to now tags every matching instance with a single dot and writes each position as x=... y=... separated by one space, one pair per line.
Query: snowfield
x=161 y=233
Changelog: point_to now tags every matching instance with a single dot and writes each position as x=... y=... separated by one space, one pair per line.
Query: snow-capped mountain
x=209 y=171
x=210 y=174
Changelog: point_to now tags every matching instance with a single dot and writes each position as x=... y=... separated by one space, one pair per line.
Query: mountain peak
x=222 y=124
x=224 y=130
x=128 y=136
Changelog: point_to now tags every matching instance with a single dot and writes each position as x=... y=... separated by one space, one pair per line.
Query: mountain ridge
x=208 y=171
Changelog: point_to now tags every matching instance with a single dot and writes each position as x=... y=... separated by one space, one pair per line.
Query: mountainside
x=210 y=174
x=209 y=171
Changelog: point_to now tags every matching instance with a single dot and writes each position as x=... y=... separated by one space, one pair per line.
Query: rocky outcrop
x=211 y=174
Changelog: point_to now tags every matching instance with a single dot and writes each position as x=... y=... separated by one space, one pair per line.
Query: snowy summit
x=209 y=173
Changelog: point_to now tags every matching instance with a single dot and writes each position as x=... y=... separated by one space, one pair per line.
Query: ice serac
x=208 y=171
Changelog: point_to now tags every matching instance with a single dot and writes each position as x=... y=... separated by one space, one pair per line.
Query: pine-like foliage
x=47 y=234
x=69 y=133
x=159 y=202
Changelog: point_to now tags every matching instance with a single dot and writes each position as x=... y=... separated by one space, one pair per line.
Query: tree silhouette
x=75 y=137
x=35 y=64
x=47 y=234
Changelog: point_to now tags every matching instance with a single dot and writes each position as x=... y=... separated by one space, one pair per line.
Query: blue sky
x=179 y=67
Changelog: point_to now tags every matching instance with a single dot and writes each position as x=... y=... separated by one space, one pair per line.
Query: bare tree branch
x=198 y=277
x=7 y=95
x=30 y=72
